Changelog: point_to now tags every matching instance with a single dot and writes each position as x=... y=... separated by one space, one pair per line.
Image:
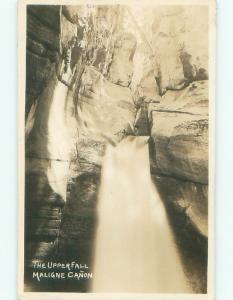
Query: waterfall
x=60 y=137
x=135 y=249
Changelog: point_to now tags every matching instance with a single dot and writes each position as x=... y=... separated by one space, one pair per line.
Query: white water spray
x=135 y=249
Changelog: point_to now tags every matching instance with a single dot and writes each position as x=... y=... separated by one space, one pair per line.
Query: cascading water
x=135 y=250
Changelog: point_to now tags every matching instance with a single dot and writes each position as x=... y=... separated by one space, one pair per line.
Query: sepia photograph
x=116 y=148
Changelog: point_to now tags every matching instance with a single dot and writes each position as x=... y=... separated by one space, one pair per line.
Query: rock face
x=104 y=112
x=180 y=131
x=43 y=30
x=181 y=49
x=179 y=128
x=187 y=197
x=121 y=70
x=186 y=205
x=170 y=48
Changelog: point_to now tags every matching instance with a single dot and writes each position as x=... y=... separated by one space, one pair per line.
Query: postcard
x=116 y=149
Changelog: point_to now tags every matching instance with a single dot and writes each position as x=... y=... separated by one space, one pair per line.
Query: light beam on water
x=135 y=250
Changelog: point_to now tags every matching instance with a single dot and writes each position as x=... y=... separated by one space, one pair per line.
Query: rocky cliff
x=132 y=73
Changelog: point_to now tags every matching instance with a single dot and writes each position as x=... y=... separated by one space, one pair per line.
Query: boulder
x=179 y=127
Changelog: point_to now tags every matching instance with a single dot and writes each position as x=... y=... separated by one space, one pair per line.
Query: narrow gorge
x=97 y=76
